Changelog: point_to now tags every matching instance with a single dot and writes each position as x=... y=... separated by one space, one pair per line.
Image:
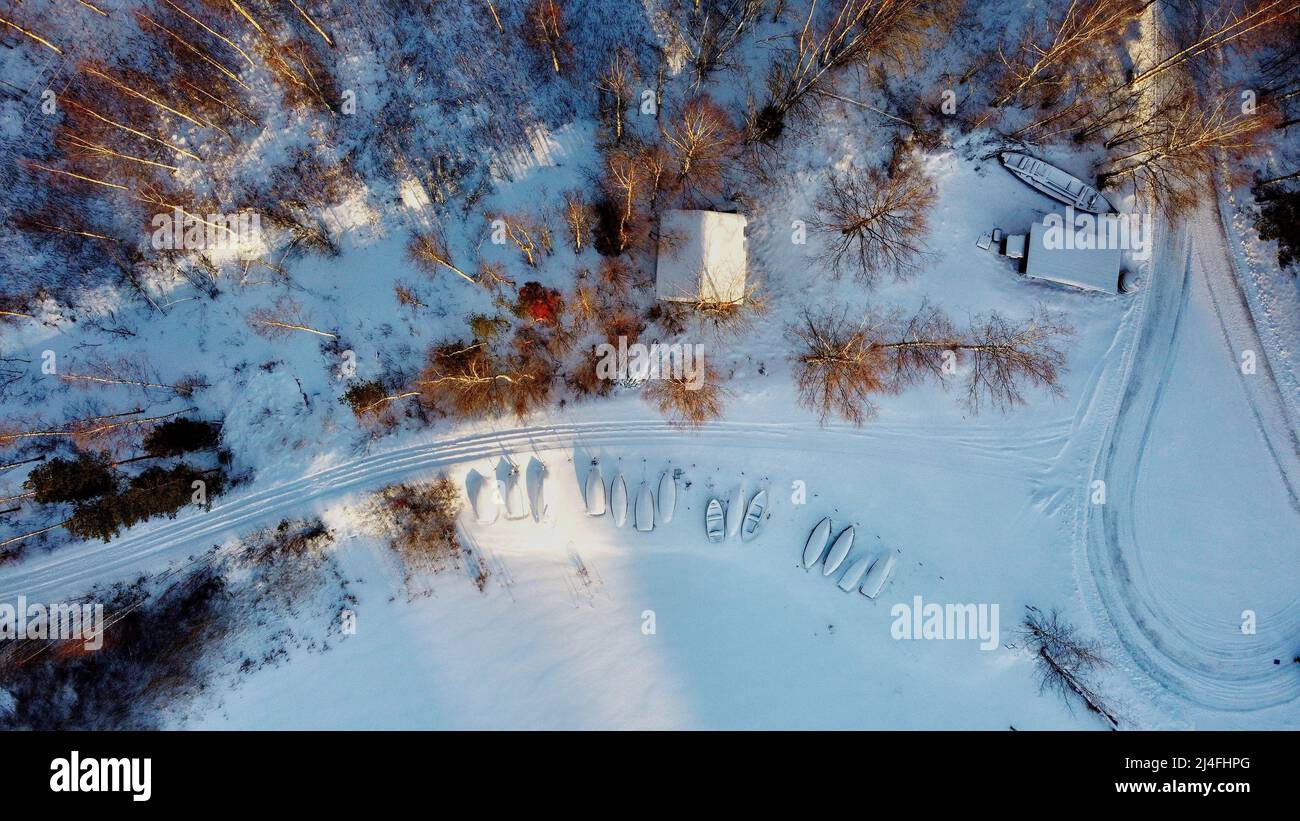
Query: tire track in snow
x=1177 y=653
x=76 y=567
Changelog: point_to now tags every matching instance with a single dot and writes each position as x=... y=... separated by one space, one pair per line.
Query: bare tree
x=133 y=372
x=1225 y=23
x=1065 y=660
x=577 y=218
x=1002 y=356
x=857 y=32
x=546 y=32
x=875 y=222
x=714 y=31
x=531 y=236
x=840 y=365
x=1043 y=60
x=699 y=140
x=429 y=250
x=419 y=520
x=281 y=319
x=616 y=84
x=625 y=183
x=496 y=18
x=1173 y=159
x=837 y=369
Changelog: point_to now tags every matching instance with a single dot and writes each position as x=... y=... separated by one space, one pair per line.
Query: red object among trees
x=539 y=303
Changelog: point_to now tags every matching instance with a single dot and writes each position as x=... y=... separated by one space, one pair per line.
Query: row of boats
x=735 y=519
x=494 y=494
x=616 y=503
x=867 y=573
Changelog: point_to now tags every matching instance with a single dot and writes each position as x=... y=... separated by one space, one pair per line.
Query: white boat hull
x=812 y=551
x=754 y=516
x=849 y=581
x=839 y=552
x=485 y=501
x=594 y=493
x=515 y=508
x=645 y=508
x=618 y=500
x=1058 y=184
x=713 y=521
x=539 y=503
x=877 y=576
x=735 y=512
x=667 y=497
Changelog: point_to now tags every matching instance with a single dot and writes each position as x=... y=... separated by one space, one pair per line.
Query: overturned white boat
x=812 y=551
x=618 y=500
x=540 y=504
x=594 y=493
x=713 y=521
x=1055 y=183
x=877 y=576
x=839 y=551
x=667 y=497
x=515 y=508
x=849 y=581
x=735 y=512
x=645 y=508
x=485 y=501
x=754 y=516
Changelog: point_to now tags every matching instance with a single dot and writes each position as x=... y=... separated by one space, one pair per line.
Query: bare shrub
x=685 y=403
x=419 y=521
x=470 y=381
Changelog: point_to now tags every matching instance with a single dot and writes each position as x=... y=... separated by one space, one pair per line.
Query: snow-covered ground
x=583 y=625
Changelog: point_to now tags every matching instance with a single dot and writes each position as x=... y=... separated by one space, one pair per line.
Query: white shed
x=702 y=255
x=1092 y=264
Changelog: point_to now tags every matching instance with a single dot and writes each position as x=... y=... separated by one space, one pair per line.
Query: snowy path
x=1197 y=650
x=1201 y=465
x=72 y=569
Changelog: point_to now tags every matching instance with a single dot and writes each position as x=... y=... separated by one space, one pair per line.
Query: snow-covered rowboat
x=839 y=551
x=713 y=521
x=515 y=508
x=735 y=512
x=877 y=576
x=754 y=515
x=1056 y=183
x=645 y=508
x=667 y=497
x=485 y=501
x=812 y=551
x=618 y=500
x=853 y=575
x=539 y=503
x=594 y=493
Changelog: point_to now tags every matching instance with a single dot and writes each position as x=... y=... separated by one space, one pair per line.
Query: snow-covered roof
x=1059 y=258
x=702 y=254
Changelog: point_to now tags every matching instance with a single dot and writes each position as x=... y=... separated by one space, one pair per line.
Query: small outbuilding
x=1089 y=259
x=703 y=256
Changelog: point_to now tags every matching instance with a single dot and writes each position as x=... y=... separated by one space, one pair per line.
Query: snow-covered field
x=580 y=624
